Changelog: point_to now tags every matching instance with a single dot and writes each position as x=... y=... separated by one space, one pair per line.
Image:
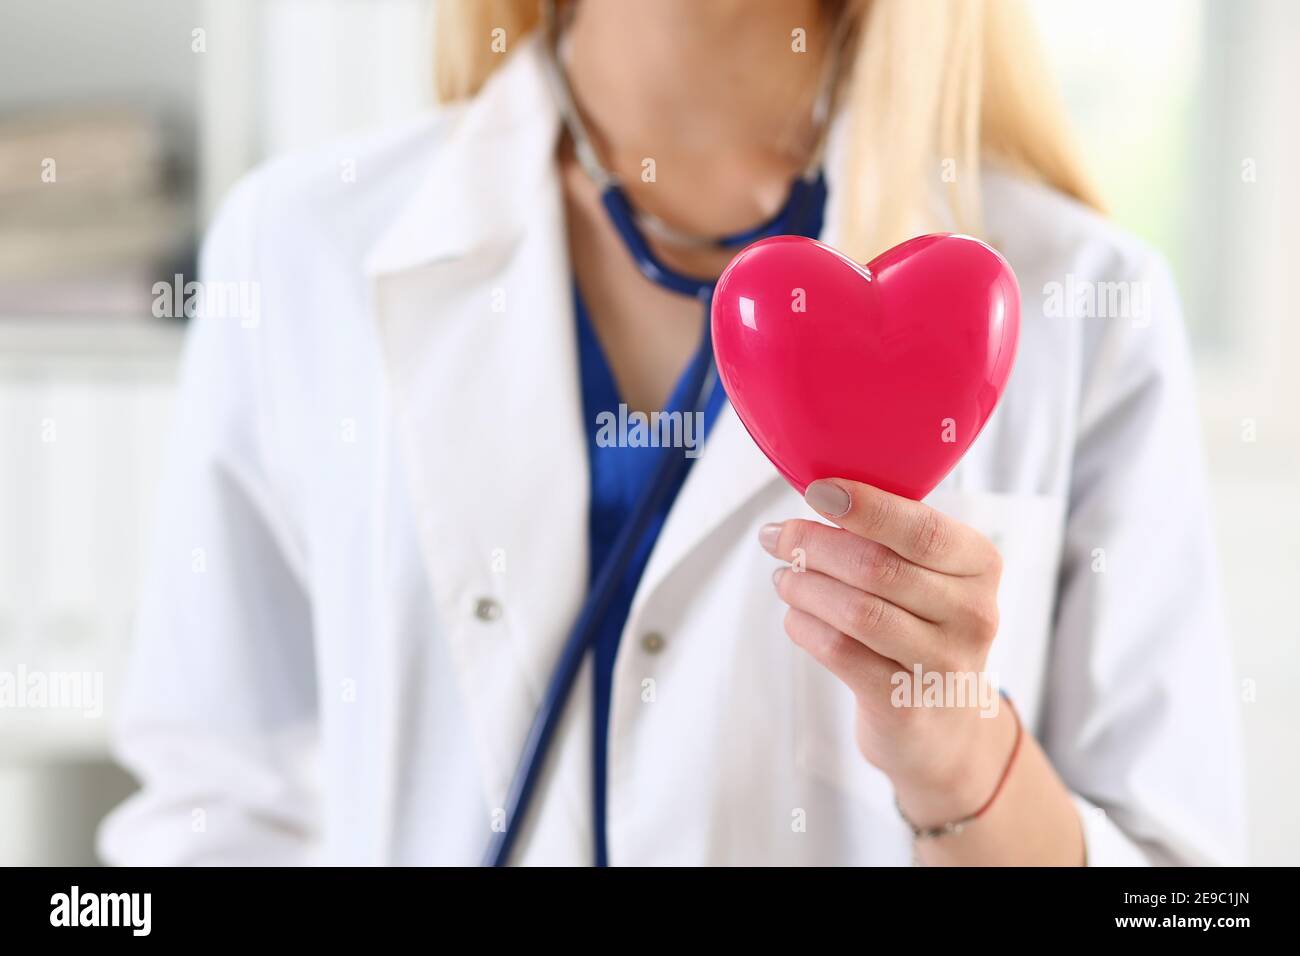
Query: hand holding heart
x=881 y=375
x=896 y=585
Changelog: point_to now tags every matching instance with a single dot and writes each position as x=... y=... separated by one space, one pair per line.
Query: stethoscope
x=801 y=215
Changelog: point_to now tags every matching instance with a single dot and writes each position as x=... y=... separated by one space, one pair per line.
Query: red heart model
x=883 y=374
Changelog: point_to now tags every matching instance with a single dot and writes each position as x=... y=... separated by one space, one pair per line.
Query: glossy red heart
x=883 y=374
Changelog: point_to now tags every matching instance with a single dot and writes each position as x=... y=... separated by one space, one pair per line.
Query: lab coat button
x=652 y=643
x=487 y=609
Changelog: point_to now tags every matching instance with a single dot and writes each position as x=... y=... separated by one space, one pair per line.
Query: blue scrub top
x=620 y=474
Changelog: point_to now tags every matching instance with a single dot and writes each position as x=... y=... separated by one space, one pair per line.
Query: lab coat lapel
x=730 y=471
x=474 y=310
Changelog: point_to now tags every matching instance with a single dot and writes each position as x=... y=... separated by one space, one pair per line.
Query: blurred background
x=145 y=111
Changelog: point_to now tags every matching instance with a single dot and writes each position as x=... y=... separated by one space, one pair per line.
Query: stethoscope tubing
x=808 y=195
x=672 y=463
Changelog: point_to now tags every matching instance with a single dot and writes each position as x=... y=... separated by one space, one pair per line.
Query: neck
x=716 y=93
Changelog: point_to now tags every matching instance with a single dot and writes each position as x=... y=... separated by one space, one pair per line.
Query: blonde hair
x=932 y=88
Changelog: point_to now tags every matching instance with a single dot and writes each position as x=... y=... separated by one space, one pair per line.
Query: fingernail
x=768 y=535
x=776 y=575
x=828 y=498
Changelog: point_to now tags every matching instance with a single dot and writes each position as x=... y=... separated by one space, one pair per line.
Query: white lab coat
x=395 y=449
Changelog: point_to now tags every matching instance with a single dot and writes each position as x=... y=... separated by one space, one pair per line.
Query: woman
x=389 y=503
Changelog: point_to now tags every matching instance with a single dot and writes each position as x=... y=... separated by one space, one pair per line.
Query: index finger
x=910 y=528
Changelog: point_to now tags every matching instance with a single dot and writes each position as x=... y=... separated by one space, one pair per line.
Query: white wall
x=290 y=74
x=59 y=51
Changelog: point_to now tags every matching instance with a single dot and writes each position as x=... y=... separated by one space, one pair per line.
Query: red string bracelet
x=953 y=827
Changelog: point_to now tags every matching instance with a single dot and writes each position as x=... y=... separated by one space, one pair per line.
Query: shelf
x=102 y=346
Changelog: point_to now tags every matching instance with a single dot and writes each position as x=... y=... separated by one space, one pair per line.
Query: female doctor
x=407 y=607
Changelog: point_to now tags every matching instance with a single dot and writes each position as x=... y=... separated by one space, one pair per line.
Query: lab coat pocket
x=1027 y=530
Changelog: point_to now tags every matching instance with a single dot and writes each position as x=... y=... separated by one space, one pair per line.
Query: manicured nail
x=776 y=575
x=768 y=535
x=828 y=498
